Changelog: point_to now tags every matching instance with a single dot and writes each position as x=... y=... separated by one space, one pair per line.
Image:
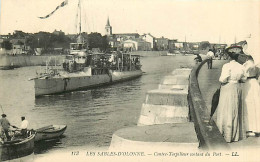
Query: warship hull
x=46 y=86
x=118 y=76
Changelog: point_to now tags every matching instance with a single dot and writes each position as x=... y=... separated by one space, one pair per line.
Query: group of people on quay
x=213 y=54
x=238 y=110
x=6 y=133
x=216 y=53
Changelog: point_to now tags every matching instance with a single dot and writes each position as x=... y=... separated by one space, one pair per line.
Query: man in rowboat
x=5 y=125
x=24 y=126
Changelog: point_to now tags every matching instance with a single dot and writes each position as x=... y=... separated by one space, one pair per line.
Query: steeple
x=108 y=28
x=108 y=23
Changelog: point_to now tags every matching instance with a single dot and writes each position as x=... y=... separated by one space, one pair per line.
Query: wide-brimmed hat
x=234 y=50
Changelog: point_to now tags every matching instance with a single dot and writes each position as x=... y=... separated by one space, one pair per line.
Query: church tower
x=108 y=28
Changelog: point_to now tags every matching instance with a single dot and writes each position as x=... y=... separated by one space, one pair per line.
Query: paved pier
x=208 y=80
x=208 y=83
x=168 y=137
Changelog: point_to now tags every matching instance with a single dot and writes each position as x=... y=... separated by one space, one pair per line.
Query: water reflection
x=44 y=146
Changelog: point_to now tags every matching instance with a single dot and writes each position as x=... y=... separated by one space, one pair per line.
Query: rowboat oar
x=2 y=109
x=38 y=77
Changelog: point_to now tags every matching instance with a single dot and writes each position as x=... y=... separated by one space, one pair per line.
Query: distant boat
x=49 y=132
x=38 y=51
x=7 y=67
x=20 y=149
x=171 y=54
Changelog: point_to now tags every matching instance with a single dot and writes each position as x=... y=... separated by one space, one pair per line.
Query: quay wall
x=30 y=60
x=33 y=60
x=161 y=53
x=208 y=134
x=149 y=53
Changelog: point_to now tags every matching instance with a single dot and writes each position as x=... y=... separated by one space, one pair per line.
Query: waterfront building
x=162 y=43
x=129 y=40
x=171 y=44
x=19 y=46
x=178 y=45
x=126 y=36
x=137 y=44
x=56 y=32
x=149 y=38
x=5 y=36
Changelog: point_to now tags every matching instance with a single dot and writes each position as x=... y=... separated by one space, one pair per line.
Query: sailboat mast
x=79 y=17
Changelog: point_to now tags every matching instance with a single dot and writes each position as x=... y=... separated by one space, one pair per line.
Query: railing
x=207 y=131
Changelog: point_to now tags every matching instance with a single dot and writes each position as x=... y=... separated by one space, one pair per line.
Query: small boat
x=9 y=67
x=49 y=132
x=171 y=54
x=6 y=67
x=18 y=149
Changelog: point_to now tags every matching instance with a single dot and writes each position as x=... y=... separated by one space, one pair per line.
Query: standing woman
x=230 y=99
x=250 y=98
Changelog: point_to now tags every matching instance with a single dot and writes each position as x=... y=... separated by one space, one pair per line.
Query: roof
x=136 y=40
x=148 y=34
x=126 y=34
x=162 y=38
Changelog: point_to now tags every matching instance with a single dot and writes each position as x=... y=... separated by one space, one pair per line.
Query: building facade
x=130 y=41
x=137 y=45
x=149 y=38
x=162 y=44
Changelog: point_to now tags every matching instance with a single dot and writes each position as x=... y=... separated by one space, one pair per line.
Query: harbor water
x=91 y=116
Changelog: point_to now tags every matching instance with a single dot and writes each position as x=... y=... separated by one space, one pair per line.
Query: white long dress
x=251 y=98
x=229 y=107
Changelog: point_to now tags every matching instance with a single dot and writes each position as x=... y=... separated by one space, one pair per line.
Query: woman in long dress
x=251 y=99
x=230 y=99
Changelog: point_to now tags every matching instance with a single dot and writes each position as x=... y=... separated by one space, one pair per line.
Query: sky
x=217 y=21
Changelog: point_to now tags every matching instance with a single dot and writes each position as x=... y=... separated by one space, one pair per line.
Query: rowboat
x=20 y=149
x=49 y=132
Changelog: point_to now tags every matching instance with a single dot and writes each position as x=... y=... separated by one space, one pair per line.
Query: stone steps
x=161 y=114
x=164 y=119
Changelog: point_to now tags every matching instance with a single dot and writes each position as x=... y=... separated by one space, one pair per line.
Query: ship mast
x=80 y=39
x=79 y=17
